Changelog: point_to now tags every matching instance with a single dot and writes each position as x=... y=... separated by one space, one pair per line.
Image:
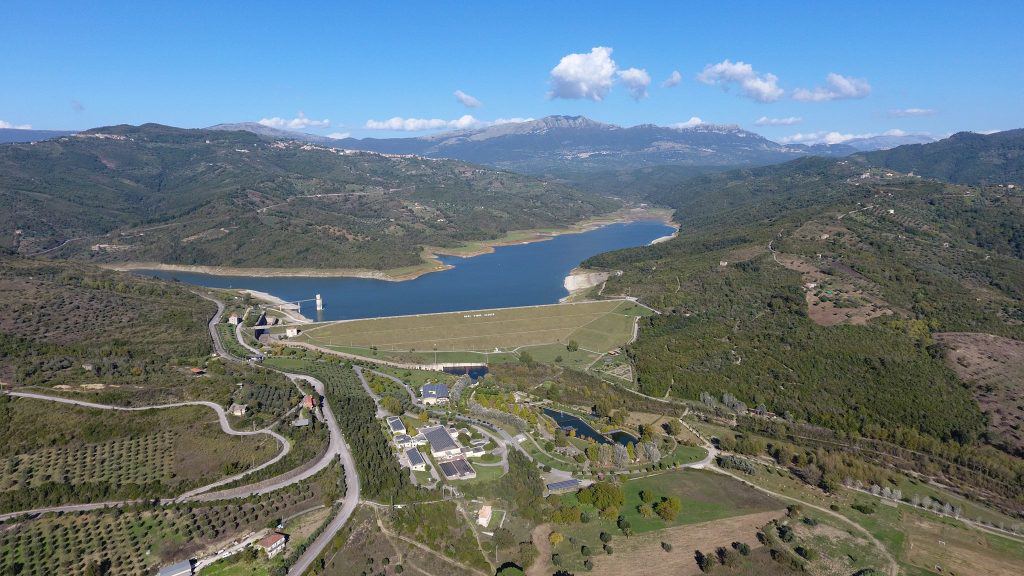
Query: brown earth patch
x=994 y=367
x=643 y=554
x=946 y=549
x=542 y=565
x=838 y=297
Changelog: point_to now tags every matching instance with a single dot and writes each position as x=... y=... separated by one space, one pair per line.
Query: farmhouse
x=183 y=568
x=272 y=544
x=309 y=402
x=434 y=394
x=483 y=518
x=234 y=320
x=238 y=410
x=395 y=425
x=442 y=445
x=416 y=461
x=291 y=332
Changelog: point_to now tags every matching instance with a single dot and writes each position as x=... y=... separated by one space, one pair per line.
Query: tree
x=706 y=562
x=606 y=537
x=646 y=496
x=668 y=508
x=572 y=346
x=391 y=404
x=667 y=547
x=525 y=357
x=555 y=538
x=674 y=427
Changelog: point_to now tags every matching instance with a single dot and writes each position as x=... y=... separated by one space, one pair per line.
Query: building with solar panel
x=442 y=444
x=416 y=461
x=563 y=486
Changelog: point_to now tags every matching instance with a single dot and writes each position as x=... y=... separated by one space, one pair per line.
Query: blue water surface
x=519 y=275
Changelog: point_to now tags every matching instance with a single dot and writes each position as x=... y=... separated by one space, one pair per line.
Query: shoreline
x=295 y=314
x=430 y=254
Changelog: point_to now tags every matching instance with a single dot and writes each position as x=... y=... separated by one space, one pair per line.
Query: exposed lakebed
x=517 y=275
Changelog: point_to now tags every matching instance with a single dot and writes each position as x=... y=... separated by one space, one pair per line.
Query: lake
x=518 y=275
x=584 y=430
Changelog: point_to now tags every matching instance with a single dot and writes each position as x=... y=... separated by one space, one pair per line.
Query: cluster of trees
x=379 y=472
x=886 y=380
x=667 y=507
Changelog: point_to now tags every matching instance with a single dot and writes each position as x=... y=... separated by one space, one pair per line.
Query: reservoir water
x=518 y=275
x=585 y=430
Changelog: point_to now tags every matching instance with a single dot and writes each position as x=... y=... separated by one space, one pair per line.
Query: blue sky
x=930 y=67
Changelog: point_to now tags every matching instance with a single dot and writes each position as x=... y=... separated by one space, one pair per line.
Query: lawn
x=596 y=326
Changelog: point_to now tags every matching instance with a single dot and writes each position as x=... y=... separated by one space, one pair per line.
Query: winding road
x=337 y=447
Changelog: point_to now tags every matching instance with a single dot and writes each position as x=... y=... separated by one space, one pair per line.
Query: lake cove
x=518 y=275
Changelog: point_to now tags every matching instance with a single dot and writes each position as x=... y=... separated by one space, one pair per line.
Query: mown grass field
x=597 y=326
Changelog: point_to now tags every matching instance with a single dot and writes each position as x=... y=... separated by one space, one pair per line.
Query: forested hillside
x=816 y=289
x=117 y=337
x=209 y=197
x=963 y=158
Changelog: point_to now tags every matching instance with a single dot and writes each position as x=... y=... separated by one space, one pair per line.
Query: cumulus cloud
x=910 y=112
x=788 y=121
x=421 y=124
x=15 y=126
x=834 y=137
x=467 y=100
x=339 y=135
x=77 y=106
x=837 y=87
x=298 y=123
x=586 y=76
x=636 y=80
x=673 y=79
x=752 y=84
x=693 y=121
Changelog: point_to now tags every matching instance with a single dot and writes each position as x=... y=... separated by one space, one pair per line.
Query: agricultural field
x=135 y=540
x=98 y=454
x=596 y=326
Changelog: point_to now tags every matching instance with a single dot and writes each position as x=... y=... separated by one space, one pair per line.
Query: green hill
x=963 y=158
x=210 y=197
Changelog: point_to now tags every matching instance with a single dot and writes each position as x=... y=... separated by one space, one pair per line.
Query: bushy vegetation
x=379 y=473
x=944 y=257
x=276 y=204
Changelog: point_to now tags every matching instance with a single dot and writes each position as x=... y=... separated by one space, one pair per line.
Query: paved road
x=224 y=425
x=337 y=447
x=381 y=412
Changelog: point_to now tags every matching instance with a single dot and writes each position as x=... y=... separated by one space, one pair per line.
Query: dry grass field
x=596 y=326
x=994 y=366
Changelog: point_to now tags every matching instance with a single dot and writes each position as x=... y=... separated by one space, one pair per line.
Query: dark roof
x=439 y=438
x=434 y=390
x=415 y=458
x=395 y=423
x=183 y=567
x=569 y=484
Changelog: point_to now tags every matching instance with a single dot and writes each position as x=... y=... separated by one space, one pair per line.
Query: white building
x=234 y=320
x=272 y=544
x=442 y=444
x=483 y=518
x=291 y=332
x=416 y=460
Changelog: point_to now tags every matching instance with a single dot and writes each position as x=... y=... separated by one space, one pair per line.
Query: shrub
x=666 y=546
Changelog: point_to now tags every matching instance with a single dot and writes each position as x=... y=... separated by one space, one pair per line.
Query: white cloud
x=15 y=126
x=910 y=112
x=673 y=79
x=788 y=121
x=467 y=100
x=298 y=123
x=693 y=121
x=465 y=122
x=838 y=87
x=636 y=80
x=760 y=87
x=584 y=76
x=339 y=135
x=834 y=137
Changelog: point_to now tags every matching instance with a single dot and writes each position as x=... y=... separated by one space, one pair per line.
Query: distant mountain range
x=566 y=144
x=155 y=193
x=577 y=143
x=11 y=135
